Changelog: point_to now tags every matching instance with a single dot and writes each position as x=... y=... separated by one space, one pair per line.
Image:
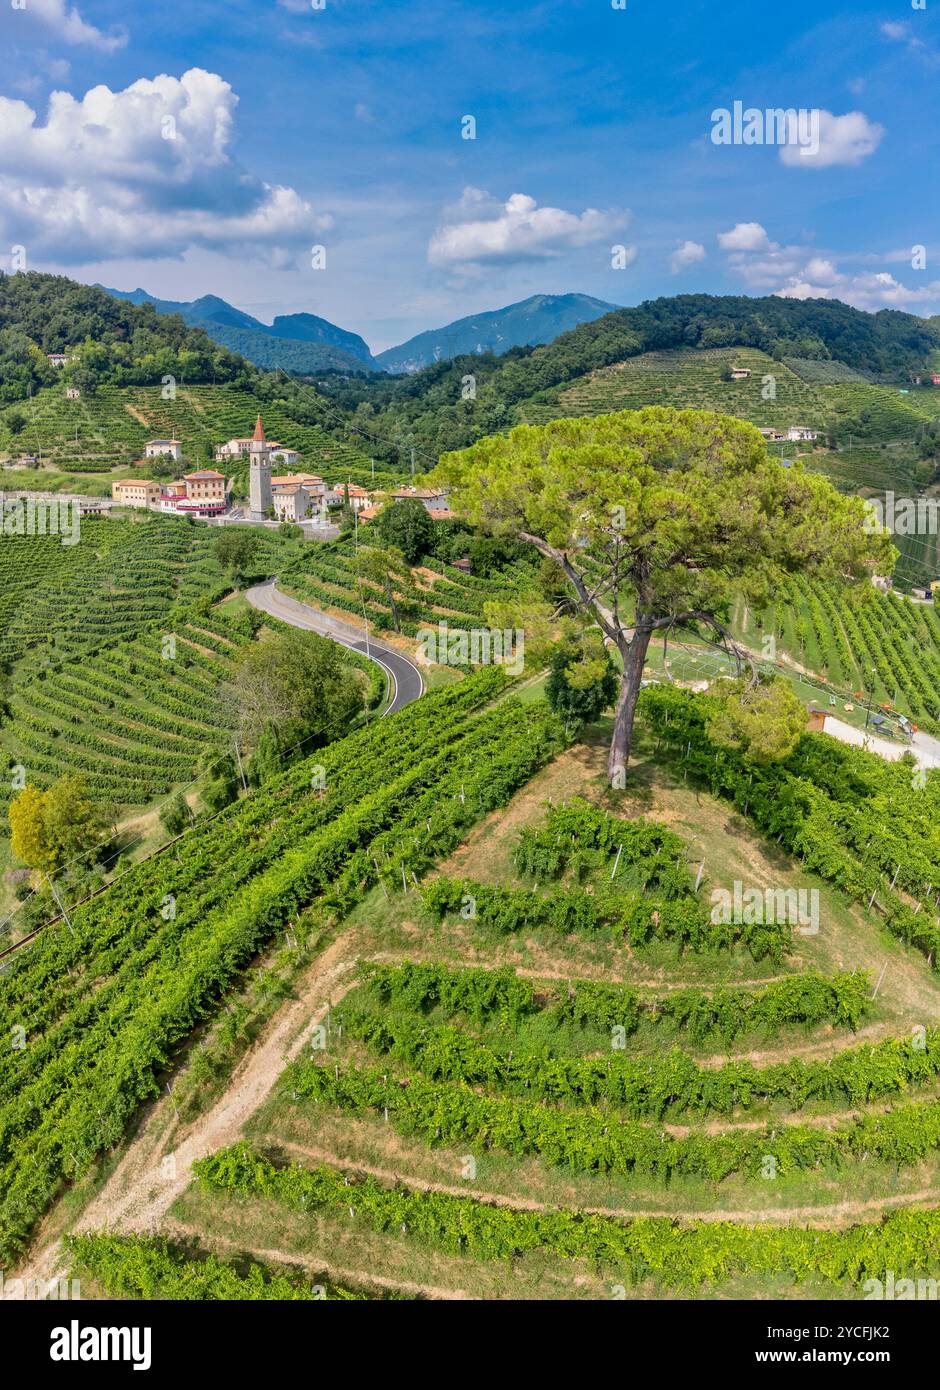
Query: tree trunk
x=634 y=659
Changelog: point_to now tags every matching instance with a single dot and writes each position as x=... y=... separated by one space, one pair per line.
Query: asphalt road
x=405 y=677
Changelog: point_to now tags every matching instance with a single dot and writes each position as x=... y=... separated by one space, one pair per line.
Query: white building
x=288 y=457
x=234 y=449
x=800 y=432
x=292 y=502
x=164 y=448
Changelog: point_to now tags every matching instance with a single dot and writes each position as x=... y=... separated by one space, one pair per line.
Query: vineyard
x=326 y=576
x=885 y=648
x=134 y=718
x=544 y=1044
x=106 y=998
x=107 y=431
x=689 y=380
x=568 y=1055
x=125 y=575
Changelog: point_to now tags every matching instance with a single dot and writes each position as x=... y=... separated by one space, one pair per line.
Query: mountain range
x=306 y=344
x=295 y=342
x=538 y=319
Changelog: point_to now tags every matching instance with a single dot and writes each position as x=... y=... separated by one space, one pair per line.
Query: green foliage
x=175 y=815
x=582 y=682
x=599 y=1141
x=399 y=794
x=49 y=829
x=864 y=824
x=136 y=1267
x=678 y=1255
x=237 y=549
x=763 y=721
x=298 y=684
x=406 y=526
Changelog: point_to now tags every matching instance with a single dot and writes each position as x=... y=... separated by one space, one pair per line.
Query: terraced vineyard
x=621 y=1093
x=106 y=999
x=887 y=646
x=108 y=430
x=326 y=576
x=689 y=380
x=135 y=717
x=123 y=575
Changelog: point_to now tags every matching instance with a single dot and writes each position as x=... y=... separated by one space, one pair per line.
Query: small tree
x=236 y=549
x=762 y=720
x=384 y=567
x=658 y=518
x=582 y=683
x=50 y=828
x=406 y=526
x=175 y=815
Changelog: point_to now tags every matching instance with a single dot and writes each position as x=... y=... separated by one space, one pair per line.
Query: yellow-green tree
x=658 y=518
x=50 y=828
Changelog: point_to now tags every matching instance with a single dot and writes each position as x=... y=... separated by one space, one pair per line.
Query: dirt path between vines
x=338 y=1273
x=142 y=1188
x=838 y=1214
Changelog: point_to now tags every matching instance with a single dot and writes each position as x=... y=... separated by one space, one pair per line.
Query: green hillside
x=104 y=433
x=688 y=380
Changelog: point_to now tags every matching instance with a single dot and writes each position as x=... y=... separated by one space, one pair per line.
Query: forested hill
x=117 y=343
x=433 y=407
x=113 y=343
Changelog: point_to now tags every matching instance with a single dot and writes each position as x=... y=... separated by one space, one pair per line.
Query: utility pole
x=60 y=904
x=871 y=695
x=412 y=463
x=241 y=770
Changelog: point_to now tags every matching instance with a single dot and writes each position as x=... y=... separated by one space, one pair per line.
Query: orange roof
x=258 y=436
x=369 y=513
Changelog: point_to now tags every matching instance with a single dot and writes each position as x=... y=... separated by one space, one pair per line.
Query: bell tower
x=259 y=486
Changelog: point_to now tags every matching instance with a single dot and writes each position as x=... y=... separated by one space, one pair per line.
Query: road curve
x=404 y=675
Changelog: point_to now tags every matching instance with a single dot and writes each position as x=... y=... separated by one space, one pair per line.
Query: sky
x=392 y=165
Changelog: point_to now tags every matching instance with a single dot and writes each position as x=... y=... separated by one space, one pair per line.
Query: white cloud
x=744 y=236
x=878 y=290
x=685 y=255
x=842 y=140
x=480 y=230
x=800 y=272
x=60 y=19
x=143 y=172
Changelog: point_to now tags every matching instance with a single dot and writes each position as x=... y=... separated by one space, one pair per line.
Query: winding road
x=404 y=676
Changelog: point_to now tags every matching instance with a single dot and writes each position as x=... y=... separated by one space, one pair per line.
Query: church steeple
x=259 y=480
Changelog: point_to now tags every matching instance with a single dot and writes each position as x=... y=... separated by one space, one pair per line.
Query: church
x=260 y=494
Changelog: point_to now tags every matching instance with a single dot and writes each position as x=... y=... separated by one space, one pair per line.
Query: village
x=294 y=496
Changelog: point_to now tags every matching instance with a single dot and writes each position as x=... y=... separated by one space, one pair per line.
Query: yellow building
x=135 y=492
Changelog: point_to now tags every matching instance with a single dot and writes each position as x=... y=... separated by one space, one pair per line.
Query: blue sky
x=208 y=147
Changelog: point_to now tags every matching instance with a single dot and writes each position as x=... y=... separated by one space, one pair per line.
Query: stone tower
x=259 y=488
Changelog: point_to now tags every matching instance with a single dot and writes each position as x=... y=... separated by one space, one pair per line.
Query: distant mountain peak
x=529 y=322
